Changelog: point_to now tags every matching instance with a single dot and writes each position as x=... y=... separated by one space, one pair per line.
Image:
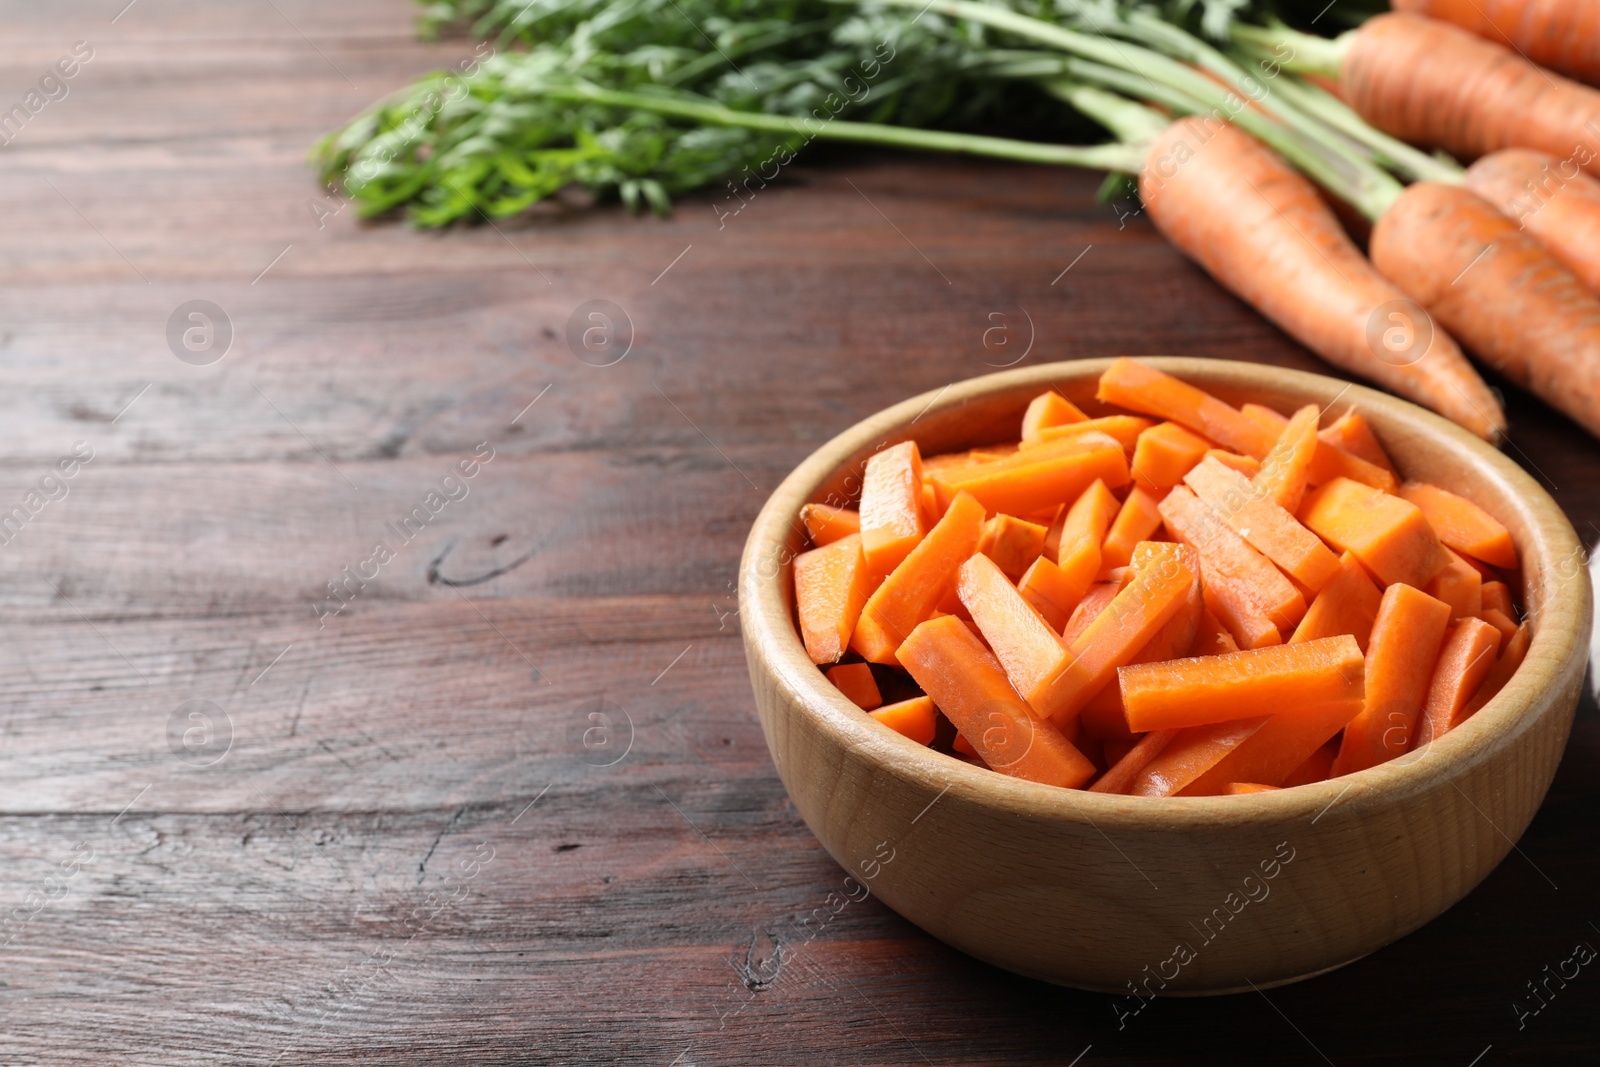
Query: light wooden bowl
x=1171 y=895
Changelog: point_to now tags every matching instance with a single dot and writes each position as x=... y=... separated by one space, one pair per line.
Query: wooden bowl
x=1137 y=895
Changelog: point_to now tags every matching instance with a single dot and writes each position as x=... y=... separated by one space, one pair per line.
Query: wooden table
x=509 y=802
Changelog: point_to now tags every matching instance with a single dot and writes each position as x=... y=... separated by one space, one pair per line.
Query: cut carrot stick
x=1040 y=477
x=1021 y=639
x=1130 y=384
x=1268 y=528
x=1458 y=585
x=1497 y=595
x=1094 y=603
x=1083 y=528
x=1284 y=473
x=1104 y=716
x=1400 y=656
x=1124 y=429
x=855 y=681
x=1316 y=766
x=931 y=512
x=1463 y=525
x=1502 y=622
x=1240 y=789
x=1328 y=462
x=1160 y=587
x=1389 y=535
x=1212 y=638
x=830 y=587
x=1516 y=651
x=1050 y=592
x=1464 y=662
x=1254 y=682
x=826 y=524
x=1346 y=605
x=1012 y=543
x=916 y=587
x=1131 y=759
x=914 y=718
x=1278 y=748
x=967 y=683
x=1163 y=455
x=1136 y=521
x=1243 y=588
x=1351 y=433
x=1190 y=754
x=1232 y=460
x=891 y=506
x=1049 y=409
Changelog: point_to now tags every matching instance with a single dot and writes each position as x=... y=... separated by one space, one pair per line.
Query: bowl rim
x=1559 y=647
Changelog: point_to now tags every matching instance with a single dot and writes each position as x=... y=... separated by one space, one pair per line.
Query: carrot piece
x=1552 y=199
x=1211 y=637
x=1024 y=643
x=913 y=718
x=1502 y=622
x=1051 y=593
x=1115 y=750
x=1090 y=608
x=1233 y=461
x=1389 y=535
x=1243 y=589
x=1104 y=716
x=967 y=683
x=1268 y=528
x=1464 y=662
x=854 y=680
x=1346 y=605
x=931 y=512
x=1012 y=543
x=1190 y=754
x=1259 y=681
x=1132 y=385
x=1038 y=477
x=1458 y=585
x=1239 y=789
x=1277 y=750
x=1516 y=651
x=1400 y=656
x=1136 y=521
x=1284 y=473
x=1083 y=528
x=891 y=506
x=826 y=524
x=1161 y=584
x=830 y=587
x=1131 y=759
x=1563 y=35
x=1351 y=433
x=916 y=587
x=1163 y=454
x=1124 y=429
x=1329 y=462
x=1316 y=766
x=1049 y=409
x=1497 y=595
x=1462 y=525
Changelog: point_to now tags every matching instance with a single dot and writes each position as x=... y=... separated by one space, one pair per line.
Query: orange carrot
x=1190 y=755
x=1243 y=589
x=1038 y=477
x=1136 y=521
x=1268 y=528
x=1051 y=593
x=1551 y=198
x=826 y=524
x=1516 y=651
x=1212 y=638
x=1130 y=384
x=1346 y=605
x=1277 y=241
x=1115 y=750
x=1083 y=529
x=1350 y=433
x=855 y=681
x=1279 y=748
x=1502 y=622
x=1129 y=763
x=1497 y=288
x=1124 y=429
x=1405 y=644
x=963 y=746
x=915 y=588
x=1012 y=543
x=891 y=506
x=967 y=683
x=1104 y=716
x=1239 y=789
x=1464 y=662
x=1049 y=409
x=1021 y=639
x=915 y=718
x=1389 y=535
x=1497 y=595
x=1563 y=35
x=1254 y=682
x=1316 y=766
x=830 y=586
x=1163 y=455
x=1284 y=473
x=1094 y=603
x=1245 y=465
x=1463 y=525
x=1328 y=461
x=1458 y=585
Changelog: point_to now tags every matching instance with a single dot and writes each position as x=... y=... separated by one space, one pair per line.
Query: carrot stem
x=1410 y=163
x=1302 y=53
x=1129 y=121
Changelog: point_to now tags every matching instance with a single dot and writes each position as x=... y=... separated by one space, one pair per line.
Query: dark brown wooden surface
x=407 y=852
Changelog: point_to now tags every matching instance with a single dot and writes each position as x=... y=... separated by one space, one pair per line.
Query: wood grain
x=257 y=909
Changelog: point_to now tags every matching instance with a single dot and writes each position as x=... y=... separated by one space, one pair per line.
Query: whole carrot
x=1550 y=198
x=1500 y=290
x=1563 y=35
x=1261 y=229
